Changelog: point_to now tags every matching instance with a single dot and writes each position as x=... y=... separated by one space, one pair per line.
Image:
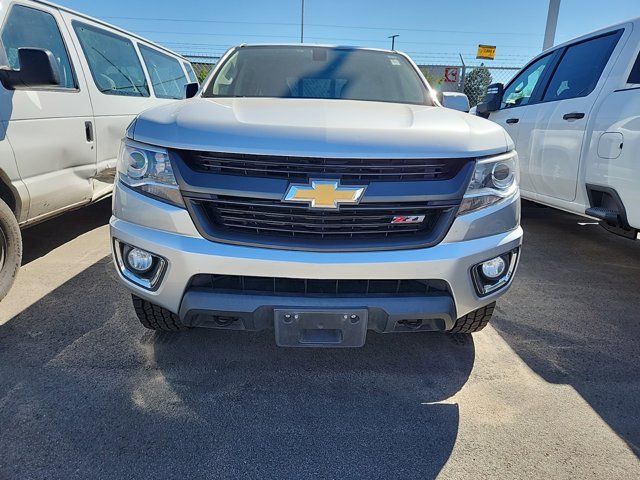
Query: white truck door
x=561 y=121
x=48 y=128
x=517 y=110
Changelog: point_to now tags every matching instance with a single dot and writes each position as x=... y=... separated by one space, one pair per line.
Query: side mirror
x=38 y=68
x=190 y=90
x=456 y=101
x=492 y=99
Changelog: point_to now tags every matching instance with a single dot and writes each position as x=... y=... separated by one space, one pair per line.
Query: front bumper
x=151 y=225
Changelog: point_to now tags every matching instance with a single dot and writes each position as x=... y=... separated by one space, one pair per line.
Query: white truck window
x=192 y=75
x=167 y=76
x=42 y=33
x=520 y=90
x=634 y=76
x=580 y=68
x=113 y=61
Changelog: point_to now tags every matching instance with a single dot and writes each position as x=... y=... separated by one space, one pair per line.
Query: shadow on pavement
x=86 y=392
x=572 y=313
x=51 y=234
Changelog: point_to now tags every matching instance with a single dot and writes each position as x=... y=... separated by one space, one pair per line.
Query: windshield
x=318 y=72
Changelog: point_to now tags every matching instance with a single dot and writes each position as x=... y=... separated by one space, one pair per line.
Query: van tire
x=154 y=317
x=474 y=321
x=10 y=248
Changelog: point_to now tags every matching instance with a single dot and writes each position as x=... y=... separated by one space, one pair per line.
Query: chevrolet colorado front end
x=320 y=192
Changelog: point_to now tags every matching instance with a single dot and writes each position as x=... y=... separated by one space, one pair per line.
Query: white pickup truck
x=573 y=113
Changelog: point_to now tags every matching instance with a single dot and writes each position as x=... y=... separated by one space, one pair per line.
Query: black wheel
x=154 y=317
x=474 y=321
x=10 y=248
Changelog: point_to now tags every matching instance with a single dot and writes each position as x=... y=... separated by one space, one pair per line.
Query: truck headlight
x=494 y=179
x=147 y=169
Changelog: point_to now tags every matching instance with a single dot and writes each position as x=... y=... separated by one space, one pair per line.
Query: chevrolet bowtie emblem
x=324 y=194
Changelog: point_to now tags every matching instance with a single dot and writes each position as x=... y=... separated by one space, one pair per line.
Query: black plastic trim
x=201 y=186
x=255 y=312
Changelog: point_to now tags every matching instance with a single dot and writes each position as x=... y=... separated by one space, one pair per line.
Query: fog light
x=495 y=273
x=139 y=260
x=494 y=268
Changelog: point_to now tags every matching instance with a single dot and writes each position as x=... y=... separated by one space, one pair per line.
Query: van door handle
x=88 y=131
x=513 y=120
x=573 y=116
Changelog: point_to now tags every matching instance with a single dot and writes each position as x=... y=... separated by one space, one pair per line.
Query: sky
x=429 y=31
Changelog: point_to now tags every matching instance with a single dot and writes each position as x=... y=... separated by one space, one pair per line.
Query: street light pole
x=302 y=24
x=552 y=23
x=393 y=41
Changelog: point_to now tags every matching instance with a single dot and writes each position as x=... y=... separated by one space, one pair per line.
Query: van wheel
x=155 y=317
x=10 y=248
x=474 y=321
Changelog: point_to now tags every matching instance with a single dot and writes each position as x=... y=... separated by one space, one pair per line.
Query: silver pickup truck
x=318 y=191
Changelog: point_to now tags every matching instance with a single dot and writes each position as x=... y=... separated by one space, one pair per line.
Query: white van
x=69 y=87
x=574 y=115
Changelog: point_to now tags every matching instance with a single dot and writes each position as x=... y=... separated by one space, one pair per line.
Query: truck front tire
x=155 y=317
x=474 y=321
x=10 y=248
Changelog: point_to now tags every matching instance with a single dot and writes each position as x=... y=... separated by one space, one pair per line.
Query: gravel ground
x=551 y=389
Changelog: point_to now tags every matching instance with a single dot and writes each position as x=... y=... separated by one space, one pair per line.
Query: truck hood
x=318 y=127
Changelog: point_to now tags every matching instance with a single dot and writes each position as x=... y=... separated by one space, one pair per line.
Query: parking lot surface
x=551 y=389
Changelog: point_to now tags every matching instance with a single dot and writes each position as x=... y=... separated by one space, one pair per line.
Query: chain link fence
x=470 y=80
x=202 y=64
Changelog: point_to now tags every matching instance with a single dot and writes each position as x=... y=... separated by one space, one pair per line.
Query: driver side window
x=520 y=90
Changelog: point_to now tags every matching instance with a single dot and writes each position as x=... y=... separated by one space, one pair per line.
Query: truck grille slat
x=304 y=168
x=276 y=204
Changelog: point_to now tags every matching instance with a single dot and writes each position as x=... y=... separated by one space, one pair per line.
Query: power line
x=358 y=27
x=339 y=39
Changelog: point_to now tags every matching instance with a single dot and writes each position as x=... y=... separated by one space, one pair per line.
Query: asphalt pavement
x=551 y=389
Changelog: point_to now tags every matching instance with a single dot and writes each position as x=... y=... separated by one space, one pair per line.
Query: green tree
x=476 y=83
x=435 y=82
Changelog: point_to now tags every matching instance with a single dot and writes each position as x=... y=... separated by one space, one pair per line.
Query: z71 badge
x=408 y=219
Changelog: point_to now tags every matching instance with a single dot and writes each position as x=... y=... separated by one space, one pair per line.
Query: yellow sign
x=323 y=194
x=486 y=52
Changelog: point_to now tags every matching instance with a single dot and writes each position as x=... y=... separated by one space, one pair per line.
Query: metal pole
x=302 y=24
x=552 y=23
x=464 y=73
x=393 y=41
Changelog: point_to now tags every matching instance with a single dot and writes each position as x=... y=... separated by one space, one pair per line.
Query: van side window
x=167 y=76
x=521 y=88
x=113 y=61
x=580 y=68
x=634 y=76
x=192 y=75
x=42 y=32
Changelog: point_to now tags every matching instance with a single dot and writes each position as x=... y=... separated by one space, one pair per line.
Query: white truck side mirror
x=456 y=101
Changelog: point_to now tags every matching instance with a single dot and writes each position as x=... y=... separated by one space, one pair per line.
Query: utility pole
x=393 y=41
x=302 y=24
x=552 y=23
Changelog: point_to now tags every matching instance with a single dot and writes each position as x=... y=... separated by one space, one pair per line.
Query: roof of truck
x=318 y=45
x=631 y=21
x=101 y=22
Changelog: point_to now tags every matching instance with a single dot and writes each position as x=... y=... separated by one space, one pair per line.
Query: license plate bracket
x=299 y=327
